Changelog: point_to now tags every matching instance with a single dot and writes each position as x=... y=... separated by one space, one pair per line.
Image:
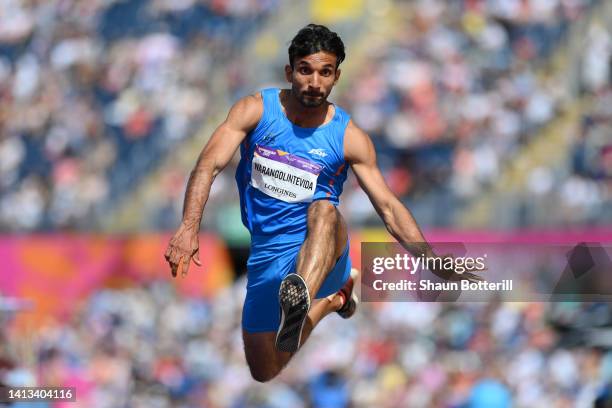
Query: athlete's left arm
x=359 y=152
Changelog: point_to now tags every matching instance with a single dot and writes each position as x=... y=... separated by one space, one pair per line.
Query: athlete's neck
x=304 y=116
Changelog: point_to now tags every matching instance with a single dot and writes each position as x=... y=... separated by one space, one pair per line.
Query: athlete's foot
x=294 y=301
x=348 y=296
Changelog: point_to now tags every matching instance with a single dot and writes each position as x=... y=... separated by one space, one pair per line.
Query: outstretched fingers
x=175 y=258
x=179 y=260
x=182 y=248
x=184 y=264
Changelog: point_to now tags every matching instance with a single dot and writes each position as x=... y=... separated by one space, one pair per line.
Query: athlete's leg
x=264 y=360
x=323 y=247
x=324 y=244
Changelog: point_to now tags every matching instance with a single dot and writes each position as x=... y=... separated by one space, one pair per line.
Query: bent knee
x=264 y=364
x=263 y=374
x=322 y=210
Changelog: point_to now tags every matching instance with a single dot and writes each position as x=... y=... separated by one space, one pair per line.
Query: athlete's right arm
x=242 y=118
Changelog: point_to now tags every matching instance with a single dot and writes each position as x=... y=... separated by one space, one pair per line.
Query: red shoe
x=350 y=299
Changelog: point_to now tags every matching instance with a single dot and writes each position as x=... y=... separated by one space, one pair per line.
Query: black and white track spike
x=294 y=301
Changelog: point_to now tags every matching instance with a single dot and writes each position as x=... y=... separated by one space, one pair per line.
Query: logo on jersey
x=268 y=139
x=318 y=152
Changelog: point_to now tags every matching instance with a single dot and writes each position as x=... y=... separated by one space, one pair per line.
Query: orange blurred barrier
x=55 y=272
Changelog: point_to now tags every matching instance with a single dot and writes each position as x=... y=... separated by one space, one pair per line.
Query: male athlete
x=295 y=151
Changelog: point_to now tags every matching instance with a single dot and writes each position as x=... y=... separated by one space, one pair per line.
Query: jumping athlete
x=295 y=149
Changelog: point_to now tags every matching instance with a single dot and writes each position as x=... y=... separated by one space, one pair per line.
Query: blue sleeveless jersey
x=284 y=167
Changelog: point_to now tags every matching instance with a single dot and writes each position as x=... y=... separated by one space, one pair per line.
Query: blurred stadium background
x=488 y=115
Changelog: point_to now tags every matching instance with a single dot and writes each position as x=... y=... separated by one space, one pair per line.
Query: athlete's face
x=312 y=78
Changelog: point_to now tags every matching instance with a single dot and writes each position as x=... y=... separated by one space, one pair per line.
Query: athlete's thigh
x=324 y=210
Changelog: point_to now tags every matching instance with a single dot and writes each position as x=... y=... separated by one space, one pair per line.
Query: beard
x=311 y=100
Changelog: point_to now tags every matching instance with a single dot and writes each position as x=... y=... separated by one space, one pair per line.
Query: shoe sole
x=294 y=301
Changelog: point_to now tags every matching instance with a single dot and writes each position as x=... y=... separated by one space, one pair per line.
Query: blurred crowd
x=589 y=188
x=461 y=90
x=149 y=348
x=94 y=93
x=580 y=193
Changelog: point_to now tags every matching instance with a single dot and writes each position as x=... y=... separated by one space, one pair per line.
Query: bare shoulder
x=246 y=112
x=358 y=146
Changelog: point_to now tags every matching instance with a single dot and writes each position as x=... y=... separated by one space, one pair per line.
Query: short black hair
x=315 y=38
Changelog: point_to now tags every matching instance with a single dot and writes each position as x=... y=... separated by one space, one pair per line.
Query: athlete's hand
x=183 y=247
x=455 y=273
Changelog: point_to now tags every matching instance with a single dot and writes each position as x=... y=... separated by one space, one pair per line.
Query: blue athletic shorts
x=269 y=262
